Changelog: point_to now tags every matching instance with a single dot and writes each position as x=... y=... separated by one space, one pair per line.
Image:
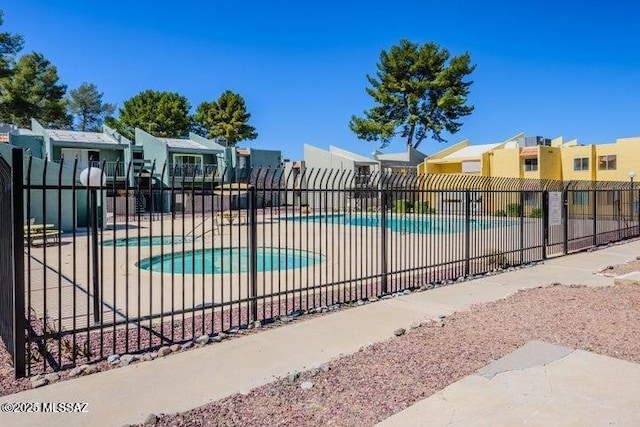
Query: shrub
x=513 y=209
x=421 y=207
x=536 y=213
x=372 y=209
x=500 y=212
x=497 y=259
x=400 y=206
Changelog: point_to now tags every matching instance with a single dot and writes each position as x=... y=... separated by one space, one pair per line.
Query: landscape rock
x=373 y=299
x=216 y=338
x=202 y=339
x=400 y=331
x=128 y=358
x=187 y=345
x=307 y=385
x=174 y=348
x=293 y=377
x=113 y=359
x=52 y=377
x=78 y=370
x=164 y=351
x=124 y=363
x=147 y=357
x=35 y=383
x=325 y=367
x=257 y=324
x=151 y=419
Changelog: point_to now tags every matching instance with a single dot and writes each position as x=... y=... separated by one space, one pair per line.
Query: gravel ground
x=382 y=379
x=617 y=270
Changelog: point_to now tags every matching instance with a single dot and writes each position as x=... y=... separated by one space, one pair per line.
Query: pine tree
x=416 y=93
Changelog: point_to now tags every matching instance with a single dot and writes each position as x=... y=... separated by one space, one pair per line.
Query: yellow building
x=539 y=158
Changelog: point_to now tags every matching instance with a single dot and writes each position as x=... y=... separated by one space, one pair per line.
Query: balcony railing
x=193 y=170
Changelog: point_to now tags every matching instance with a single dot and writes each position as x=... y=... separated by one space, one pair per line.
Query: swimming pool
x=420 y=224
x=147 y=241
x=229 y=260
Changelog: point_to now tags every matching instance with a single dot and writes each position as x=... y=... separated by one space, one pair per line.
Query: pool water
x=403 y=224
x=229 y=260
x=147 y=241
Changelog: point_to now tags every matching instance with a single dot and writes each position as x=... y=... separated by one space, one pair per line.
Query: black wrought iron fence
x=160 y=258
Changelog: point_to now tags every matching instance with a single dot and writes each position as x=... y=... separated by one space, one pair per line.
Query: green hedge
x=400 y=206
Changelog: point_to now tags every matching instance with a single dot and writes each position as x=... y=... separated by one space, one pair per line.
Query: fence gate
x=12 y=327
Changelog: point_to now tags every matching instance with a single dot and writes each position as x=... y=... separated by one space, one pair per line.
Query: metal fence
x=196 y=256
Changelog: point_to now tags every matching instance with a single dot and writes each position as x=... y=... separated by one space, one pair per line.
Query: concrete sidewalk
x=539 y=384
x=194 y=378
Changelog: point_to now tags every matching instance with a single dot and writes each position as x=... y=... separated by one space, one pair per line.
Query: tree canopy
x=87 y=109
x=10 y=45
x=32 y=90
x=164 y=114
x=226 y=119
x=416 y=94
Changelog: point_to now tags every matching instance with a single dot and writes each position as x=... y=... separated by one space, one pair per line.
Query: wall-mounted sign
x=555 y=208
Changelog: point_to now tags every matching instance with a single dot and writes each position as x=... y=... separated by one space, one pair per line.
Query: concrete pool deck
x=187 y=380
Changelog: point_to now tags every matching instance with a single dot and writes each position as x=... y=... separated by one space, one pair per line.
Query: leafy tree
x=32 y=91
x=416 y=92
x=164 y=114
x=226 y=118
x=87 y=108
x=10 y=44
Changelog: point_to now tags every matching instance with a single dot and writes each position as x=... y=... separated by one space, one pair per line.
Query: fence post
x=565 y=220
x=467 y=232
x=545 y=223
x=19 y=357
x=595 y=217
x=521 y=226
x=617 y=196
x=253 y=251
x=634 y=206
x=383 y=241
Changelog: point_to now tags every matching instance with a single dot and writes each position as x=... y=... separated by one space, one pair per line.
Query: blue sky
x=543 y=68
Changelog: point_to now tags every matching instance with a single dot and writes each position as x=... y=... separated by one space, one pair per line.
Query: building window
x=580 y=197
x=607 y=163
x=581 y=164
x=531 y=165
x=531 y=198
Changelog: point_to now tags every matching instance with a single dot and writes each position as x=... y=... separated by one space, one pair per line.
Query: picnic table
x=40 y=231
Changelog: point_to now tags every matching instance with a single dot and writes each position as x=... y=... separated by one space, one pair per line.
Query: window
x=580 y=197
x=607 y=163
x=186 y=165
x=531 y=198
x=531 y=165
x=581 y=164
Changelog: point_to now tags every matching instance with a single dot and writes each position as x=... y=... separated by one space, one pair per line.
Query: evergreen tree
x=226 y=119
x=10 y=44
x=32 y=90
x=416 y=93
x=163 y=114
x=87 y=108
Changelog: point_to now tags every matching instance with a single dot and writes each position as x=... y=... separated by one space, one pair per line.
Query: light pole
x=93 y=178
x=632 y=174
